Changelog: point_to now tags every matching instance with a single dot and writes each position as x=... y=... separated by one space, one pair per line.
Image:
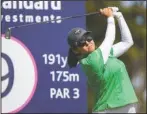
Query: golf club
x=9 y=30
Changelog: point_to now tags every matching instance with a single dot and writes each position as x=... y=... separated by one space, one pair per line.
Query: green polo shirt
x=110 y=81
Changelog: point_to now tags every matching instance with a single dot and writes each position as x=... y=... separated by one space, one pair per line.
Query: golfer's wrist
x=110 y=19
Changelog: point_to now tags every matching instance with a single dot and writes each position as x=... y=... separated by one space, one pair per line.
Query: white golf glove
x=114 y=9
x=115 y=12
x=117 y=15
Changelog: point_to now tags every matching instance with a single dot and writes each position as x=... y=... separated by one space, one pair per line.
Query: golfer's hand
x=117 y=15
x=106 y=12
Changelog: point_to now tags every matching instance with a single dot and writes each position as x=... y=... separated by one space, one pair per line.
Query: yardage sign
x=35 y=75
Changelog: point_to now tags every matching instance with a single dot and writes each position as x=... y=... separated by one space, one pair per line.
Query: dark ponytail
x=72 y=59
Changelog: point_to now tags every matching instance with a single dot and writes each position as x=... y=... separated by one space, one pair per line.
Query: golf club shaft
x=8 y=31
x=64 y=18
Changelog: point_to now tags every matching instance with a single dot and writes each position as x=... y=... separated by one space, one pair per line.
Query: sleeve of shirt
x=126 y=37
x=109 y=39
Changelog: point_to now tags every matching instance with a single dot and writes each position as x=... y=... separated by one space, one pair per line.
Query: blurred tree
x=135 y=15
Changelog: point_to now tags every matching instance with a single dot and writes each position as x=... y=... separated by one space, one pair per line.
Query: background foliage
x=135 y=58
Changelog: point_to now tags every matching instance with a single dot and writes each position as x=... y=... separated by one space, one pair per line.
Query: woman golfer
x=106 y=74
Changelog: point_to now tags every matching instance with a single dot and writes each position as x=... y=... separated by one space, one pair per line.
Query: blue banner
x=35 y=75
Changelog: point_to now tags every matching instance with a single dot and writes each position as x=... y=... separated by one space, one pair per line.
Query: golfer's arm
x=109 y=39
x=126 y=37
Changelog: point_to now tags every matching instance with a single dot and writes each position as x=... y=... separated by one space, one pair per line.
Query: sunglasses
x=82 y=42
